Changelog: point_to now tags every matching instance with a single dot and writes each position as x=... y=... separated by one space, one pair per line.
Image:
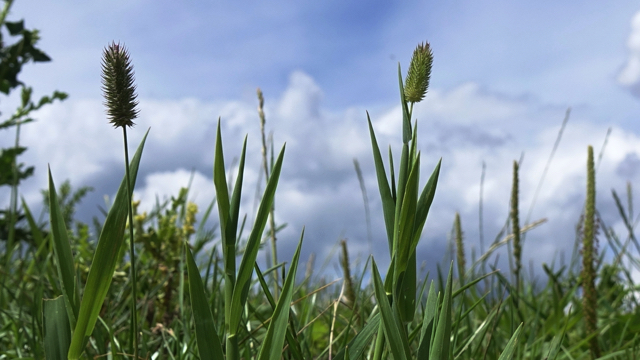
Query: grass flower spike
x=417 y=81
x=590 y=297
x=118 y=86
x=120 y=99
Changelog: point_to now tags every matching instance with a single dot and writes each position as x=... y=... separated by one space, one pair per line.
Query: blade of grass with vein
x=507 y=353
x=241 y=289
x=388 y=202
x=33 y=226
x=57 y=331
x=406 y=220
x=230 y=241
x=222 y=195
x=556 y=343
x=274 y=339
x=104 y=261
x=480 y=331
x=406 y=117
x=441 y=343
x=360 y=342
x=294 y=345
x=397 y=339
x=64 y=258
x=405 y=270
x=209 y=346
x=428 y=322
x=424 y=203
x=234 y=204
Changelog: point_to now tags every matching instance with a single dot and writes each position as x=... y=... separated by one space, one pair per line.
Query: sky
x=504 y=75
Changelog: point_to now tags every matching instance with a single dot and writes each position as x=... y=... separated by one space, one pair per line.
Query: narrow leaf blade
x=57 y=331
x=209 y=345
x=104 y=261
x=397 y=339
x=245 y=270
x=64 y=258
x=274 y=339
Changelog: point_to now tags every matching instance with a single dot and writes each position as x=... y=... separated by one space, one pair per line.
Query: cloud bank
x=466 y=126
x=629 y=75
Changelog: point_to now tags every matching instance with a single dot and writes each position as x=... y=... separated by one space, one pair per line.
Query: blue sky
x=504 y=73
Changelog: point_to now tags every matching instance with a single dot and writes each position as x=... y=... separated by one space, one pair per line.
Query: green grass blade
x=556 y=343
x=209 y=346
x=64 y=258
x=507 y=353
x=405 y=265
x=228 y=245
x=274 y=339
x=425 y=201
x=406 y=121
x=441 y=343
x=407 y=219
x=241 y=289
x=234 y=205
x=220 y=182
x=33 y=226
x=388 y=204
x=360 y=342
x=393 y=331
x=57 y=331
x=428 y=322
x=292 y=341
x=104 y=261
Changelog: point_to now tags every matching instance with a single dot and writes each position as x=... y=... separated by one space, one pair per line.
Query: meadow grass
x=181 y=294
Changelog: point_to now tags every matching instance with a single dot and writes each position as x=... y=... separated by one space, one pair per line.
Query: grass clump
x=179 y=291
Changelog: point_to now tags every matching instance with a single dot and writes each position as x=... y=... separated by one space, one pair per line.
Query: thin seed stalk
x=459 y=249
x=515 y=225
x=265 y=165
x=350 y=293
x=134 y=291
x=590 y=300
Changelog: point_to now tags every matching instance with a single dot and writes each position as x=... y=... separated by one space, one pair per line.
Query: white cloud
x=629 y=76
x=165 y=184
x=318 y=189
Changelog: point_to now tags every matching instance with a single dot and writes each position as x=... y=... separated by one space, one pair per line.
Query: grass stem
x=134 y=315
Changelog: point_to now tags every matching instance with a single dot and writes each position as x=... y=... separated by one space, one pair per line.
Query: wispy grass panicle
x=419 y=74
x=515 y=225
x=590 y=298
x=118 y=86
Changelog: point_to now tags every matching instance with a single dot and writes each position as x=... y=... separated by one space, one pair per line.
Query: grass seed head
x=417 y=81
x=118 y=86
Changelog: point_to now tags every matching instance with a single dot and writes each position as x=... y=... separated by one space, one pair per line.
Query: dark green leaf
x=209 y=345
x=104 y=261
x=274 y=339
x=397 y=339
x=57 y=332
x=15 y=28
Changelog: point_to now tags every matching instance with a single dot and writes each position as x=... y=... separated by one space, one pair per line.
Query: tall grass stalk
x=120 y=99
x=266 y=166
x=515 y=227
x=460 y=260
x=590 y=298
